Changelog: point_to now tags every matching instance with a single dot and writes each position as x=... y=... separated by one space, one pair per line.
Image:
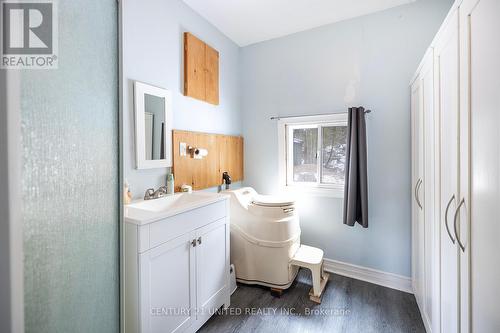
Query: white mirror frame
x=140 y=89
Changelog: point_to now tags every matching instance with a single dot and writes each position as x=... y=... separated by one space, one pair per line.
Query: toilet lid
x=272 y=201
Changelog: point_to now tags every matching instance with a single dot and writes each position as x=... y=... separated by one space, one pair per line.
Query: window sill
x=315 y=191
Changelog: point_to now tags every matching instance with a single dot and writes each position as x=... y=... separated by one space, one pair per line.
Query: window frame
x=285 y=128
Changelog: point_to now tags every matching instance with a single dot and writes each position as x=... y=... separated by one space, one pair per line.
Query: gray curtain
x=356 y=180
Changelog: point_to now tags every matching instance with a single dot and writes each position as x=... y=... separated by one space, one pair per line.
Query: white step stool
x=312 y=258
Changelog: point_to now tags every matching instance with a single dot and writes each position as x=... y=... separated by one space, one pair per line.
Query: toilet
x=265 y=236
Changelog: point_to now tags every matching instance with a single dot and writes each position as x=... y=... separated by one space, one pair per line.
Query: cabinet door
x=167 y=286
x=211 y=75
x=194 y=67
x=447 y=91
x=201 y=70
x=480 y=164
x=212 y=267
x=418 y=217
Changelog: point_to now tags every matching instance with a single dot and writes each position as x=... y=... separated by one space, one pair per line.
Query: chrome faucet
x=152 y=194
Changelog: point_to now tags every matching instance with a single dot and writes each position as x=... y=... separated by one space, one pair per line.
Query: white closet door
x=417 y=219
x=480 y=222
x=427 y=189
x=447 y=63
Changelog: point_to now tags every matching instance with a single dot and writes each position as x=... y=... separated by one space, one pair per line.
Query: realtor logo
x=29 y=34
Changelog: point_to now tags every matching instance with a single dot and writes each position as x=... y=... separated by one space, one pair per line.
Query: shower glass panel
x=71 y=177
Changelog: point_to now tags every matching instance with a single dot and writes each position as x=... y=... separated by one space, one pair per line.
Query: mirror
x=153 y=126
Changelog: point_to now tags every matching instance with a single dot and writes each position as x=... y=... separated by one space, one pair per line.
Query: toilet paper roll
x=202 y=152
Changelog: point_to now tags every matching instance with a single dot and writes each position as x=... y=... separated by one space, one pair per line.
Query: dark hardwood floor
x=348 y=306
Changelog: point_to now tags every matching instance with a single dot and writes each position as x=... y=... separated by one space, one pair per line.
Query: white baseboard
x=389 y=280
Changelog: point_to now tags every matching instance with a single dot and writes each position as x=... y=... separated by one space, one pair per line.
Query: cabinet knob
x=193 y=242
x=199 y=240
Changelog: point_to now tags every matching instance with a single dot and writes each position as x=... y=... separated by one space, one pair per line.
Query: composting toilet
x=265 y=236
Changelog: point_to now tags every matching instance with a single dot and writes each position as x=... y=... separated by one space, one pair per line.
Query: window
x=313 y=153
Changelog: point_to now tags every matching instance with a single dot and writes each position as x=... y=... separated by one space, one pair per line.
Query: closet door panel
x=414 y=179
x=463 y=214
x=417 y=175
x=480 y=227
x=447 y=60
x=428 y=188
x=420 y=197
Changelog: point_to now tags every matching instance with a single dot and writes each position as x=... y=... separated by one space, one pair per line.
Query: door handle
x=199 y=240
x=418 y=194
x=193 y=242
x=462 y=247
x=415 y=190
x=446 y=218
x=417 y=197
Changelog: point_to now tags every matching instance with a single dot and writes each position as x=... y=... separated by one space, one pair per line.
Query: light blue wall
x=364 y=61
x=152 y=42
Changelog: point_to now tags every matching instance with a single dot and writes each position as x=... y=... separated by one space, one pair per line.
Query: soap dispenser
x=127 y=195
x=170 y=183
x=226 y=179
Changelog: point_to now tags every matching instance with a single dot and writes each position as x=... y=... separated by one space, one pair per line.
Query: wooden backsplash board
x=225 y=153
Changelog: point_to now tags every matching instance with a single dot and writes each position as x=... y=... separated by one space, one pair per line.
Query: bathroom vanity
x=176 y=262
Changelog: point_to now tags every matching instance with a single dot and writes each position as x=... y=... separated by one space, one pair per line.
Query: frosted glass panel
x=70 y=177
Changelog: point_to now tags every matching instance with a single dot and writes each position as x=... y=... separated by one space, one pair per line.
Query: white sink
x=147 y=211
x=167 y=202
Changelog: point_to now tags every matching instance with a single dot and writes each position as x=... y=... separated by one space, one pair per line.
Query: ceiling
x=252 y=21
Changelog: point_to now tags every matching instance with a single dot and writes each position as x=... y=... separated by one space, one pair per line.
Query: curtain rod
x=306 y=115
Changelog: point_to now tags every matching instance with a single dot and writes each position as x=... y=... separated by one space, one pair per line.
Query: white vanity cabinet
x=176 y=269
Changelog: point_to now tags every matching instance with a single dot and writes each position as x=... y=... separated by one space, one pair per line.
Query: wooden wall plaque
x=201 y=70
